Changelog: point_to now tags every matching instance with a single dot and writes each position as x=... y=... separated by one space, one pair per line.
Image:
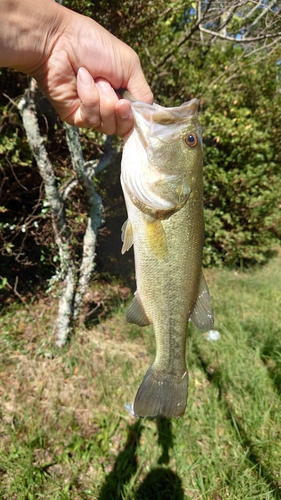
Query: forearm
x=27 y=27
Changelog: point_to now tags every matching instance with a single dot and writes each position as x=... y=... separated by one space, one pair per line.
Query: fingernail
x=84 y=76
x=125 y=116
x=103 y=85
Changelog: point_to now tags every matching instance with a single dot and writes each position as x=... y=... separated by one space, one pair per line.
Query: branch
x=63 y=326
x=108 y=157
x=264 y=11
x=229 y=14
x=92 y=168
x=14 y=289
x=95 y=214
x=185 y=38
x=67 y=268
x=251 y=12
x=66 y=189
x=199 y=18
x=275 y=42
x=239 y=40
x=29 y=117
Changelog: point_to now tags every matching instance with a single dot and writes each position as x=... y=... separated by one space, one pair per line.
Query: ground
x=66 y=430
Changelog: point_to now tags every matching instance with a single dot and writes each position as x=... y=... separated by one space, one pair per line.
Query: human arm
x=76 y=62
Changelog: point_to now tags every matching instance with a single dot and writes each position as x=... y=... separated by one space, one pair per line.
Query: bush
x=242 y=174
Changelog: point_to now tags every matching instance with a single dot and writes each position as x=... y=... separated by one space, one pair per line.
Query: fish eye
x=191 y=139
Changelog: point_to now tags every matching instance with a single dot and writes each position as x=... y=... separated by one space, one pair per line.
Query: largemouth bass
x=162 y=181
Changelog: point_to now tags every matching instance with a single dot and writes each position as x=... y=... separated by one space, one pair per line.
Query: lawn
x=66 y=431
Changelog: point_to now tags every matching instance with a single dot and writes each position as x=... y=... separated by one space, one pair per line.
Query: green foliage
x=241 y=186
x=238 y=86
x=242 y=167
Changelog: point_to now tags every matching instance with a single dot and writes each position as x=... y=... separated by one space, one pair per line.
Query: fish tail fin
x=161 y=394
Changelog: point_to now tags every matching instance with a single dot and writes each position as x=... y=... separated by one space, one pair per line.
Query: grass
x=65 y=432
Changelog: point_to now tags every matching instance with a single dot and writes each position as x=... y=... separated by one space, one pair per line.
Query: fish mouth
x=155 y=121
x=161 y=115
x=168 y=116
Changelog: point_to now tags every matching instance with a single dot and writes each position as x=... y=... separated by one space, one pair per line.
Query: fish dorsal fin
x=136 y=313
x=126 y=236
x=202 y=314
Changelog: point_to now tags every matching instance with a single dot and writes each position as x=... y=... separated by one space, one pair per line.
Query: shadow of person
x=124 y=468
x=165 y=438
x=160 y=483
x=270 y=355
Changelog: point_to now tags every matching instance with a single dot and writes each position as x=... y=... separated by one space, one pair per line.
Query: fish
x=162 y=182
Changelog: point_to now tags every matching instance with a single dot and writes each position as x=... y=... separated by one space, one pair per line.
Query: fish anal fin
x=126 y=236
x=161 y=394
x=202 y=314
x=156 y=238
x=136 y=313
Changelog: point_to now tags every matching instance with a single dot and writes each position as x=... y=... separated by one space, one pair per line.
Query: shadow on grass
x=271 y=357
x=159 y=484
x=269 y=347
x=216 y=378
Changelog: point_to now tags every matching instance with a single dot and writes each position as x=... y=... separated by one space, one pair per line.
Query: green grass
x=65 y=432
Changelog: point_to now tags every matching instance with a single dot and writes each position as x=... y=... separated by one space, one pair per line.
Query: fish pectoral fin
x=136 y=313
x=202 y=314
x=156 y=238
x=126 y=236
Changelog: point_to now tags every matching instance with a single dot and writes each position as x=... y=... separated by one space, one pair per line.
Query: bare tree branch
x=185 y=38
x=242 y=39
x=14 y=289
x=199 y=18
x=261 y=48
x=67 y=268
x=95 y=208
x=27 y=108
x=265 y=9
x=74 y=286
x=253 y=10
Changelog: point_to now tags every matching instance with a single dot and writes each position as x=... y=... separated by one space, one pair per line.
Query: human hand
x=78 y=66
x=81 y=72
